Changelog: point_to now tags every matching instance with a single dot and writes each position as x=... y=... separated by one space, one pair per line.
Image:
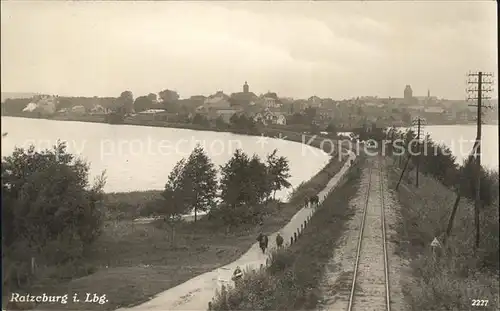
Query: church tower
x=408 y=95
x=245 y=87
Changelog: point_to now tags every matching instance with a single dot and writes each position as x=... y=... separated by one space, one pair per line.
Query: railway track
x=370 y=289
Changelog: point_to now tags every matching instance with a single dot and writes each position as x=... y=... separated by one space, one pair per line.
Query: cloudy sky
x=297 y=49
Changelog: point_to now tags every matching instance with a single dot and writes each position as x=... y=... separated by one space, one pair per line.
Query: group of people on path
x=263 y=244
x=312 y=201
x=264 y=240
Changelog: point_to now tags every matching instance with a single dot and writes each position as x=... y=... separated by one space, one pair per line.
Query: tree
x=152 y=97
x=468 y=182
x=49 y=209
x=247 y=183
x=201 y=178
x=168 y=97
x=64 y=103
x=200 y=120
x=233 y=179
x=257 y=181
x=220 y=123
x=234 y=121
x=332 y=129
x=175 y=191
x=192 y=185
x=126 y=101
x=278 y=170
x=249 y=122
x=142 y=103
x=242 y=122
x=310 y=113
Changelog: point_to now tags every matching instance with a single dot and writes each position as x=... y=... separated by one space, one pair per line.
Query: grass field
x=131 y=262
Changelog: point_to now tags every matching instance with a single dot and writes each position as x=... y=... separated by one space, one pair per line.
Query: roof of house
x=197 y=97
x=218 y=94
x=271 y=95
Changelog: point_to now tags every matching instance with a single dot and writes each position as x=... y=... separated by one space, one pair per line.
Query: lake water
x=460 y=139
x=140 y=157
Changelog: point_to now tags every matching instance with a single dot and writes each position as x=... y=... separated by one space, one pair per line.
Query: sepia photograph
x=250 y=155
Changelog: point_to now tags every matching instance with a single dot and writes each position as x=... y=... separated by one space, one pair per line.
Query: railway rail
x=370 y=288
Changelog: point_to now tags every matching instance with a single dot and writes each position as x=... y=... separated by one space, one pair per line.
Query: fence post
x=291 y=240
x=305 y=223
x=295 y=236
x=301 y=228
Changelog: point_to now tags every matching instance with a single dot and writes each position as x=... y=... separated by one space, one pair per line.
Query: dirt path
x=370 y=290
x=197 y=292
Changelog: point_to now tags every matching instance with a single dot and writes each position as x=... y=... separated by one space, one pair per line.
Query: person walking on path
x=237 y=275
x=263 y=241
x=279 y=240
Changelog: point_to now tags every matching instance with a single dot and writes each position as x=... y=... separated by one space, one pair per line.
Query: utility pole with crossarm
x=418 y=122
x=479 y=84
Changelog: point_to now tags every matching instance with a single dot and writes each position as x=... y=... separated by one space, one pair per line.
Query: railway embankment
x=453 y=276
x=292 y=278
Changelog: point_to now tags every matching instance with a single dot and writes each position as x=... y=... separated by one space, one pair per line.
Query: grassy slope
x=131 y=262
x=292 y=280
x=458 y=276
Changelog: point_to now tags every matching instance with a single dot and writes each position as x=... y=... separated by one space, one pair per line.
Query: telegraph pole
x=418 y=122
x=479 y=83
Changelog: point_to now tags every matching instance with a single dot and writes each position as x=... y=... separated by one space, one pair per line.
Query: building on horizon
x=408 y=95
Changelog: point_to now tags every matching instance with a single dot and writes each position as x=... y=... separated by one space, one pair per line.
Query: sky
x=296 y=49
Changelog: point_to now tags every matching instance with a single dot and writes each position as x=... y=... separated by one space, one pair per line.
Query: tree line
x=437 y=161
x=239 y=196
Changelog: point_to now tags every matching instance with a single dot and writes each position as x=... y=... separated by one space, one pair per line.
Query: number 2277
x=479 y=303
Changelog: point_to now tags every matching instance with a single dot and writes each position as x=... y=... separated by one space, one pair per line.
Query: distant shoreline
x=188 y=126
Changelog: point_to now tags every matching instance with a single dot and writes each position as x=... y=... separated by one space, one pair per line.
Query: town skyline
x=429 y=94
x=330 y=50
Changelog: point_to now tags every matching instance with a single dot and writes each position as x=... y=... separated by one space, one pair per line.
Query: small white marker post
x=435 y=245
